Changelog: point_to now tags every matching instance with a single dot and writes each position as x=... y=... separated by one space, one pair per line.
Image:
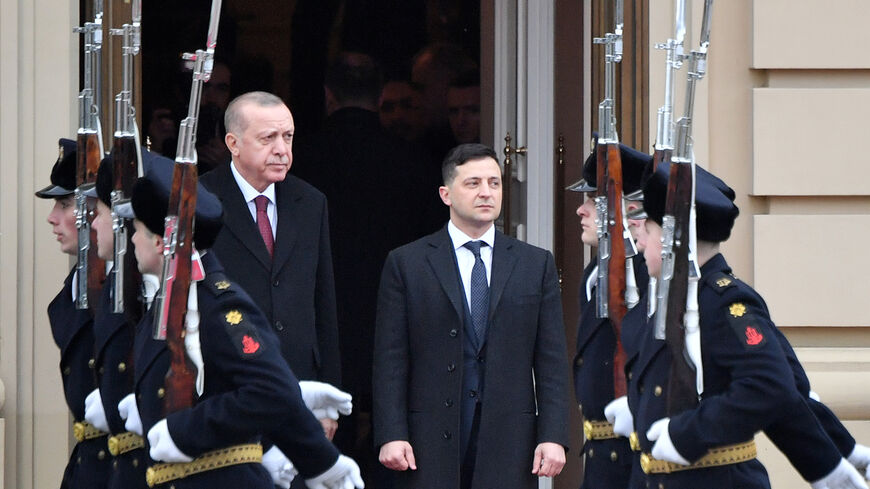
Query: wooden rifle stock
x=617 y=306
x=88 y=157
x=179 y=384
x=682 y=394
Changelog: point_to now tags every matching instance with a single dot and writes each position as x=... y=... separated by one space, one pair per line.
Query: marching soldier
x=607 y=454
x=244 y=386
x=748 y=380
x=73 y=333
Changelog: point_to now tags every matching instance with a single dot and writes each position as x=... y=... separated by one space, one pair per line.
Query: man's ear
x=444 y=193
x=232 y=142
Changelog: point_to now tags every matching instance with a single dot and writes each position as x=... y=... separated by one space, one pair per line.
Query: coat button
x=101 y=370
x=279 y=326
x=91 y=363
x=122 y=367
x=115 y=464
x=448 y=403
x=454 y=333
x=472 y=393
x=614 y=456
x=661 y=485
x=658 y=391
x=160 y=393
x=451 y=367
x=276 y=283
x=580 y=407
x=591 y=453
x=629 y=376
x=101 y=454
x=446 y=435
x=579 y=362
x=135 y=462
x=480 y=358
x=67 y=370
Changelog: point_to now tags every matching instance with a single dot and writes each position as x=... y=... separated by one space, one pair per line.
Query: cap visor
x=580 y=186
x=53 y=191
x=638 y=214
x=636 y=196
x=124 y=210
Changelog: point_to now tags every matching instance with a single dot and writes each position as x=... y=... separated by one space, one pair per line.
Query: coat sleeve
x=552 y=384
x=255 y=392
x=760 y=384
x=391 y=370
x=326 y=316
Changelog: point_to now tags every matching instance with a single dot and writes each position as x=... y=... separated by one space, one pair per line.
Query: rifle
x=664 y=146
x=126 y=168
x=178 y=235
x=90 y=268
x=614 y=254
x=677 y=309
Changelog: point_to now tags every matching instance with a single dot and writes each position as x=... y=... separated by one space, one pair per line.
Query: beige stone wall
x=784 y=103
x=38 y=79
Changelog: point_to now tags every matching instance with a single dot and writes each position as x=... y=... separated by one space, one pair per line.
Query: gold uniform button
x=591 y=452
x=579 y=361
x=115 y=464
x=580 y=407
x=160 y=393
x=135 y=462
x=79 y=460
x=658 y=391
x=91 y=363
x=661 y=485
x=122 y=367
x=101 y=454
x=629 y=376
x=614 y=456
x=67 y=370
x=102 y=370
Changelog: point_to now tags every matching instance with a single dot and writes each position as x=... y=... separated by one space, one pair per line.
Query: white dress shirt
x=250 y=193
x=465 y=258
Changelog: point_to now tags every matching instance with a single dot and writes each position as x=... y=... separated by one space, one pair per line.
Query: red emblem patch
x=753 y=337
x=249 y=345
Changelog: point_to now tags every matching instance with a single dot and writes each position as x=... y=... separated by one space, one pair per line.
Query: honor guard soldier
x=608 y=456
x=73 y=333
x=114 y=334
x=748 y=382
x=243 y=387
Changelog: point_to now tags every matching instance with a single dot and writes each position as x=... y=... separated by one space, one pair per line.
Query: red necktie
x=263 y=222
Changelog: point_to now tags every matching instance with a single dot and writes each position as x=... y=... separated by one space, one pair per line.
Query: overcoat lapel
x=504 y=259
x=285 y=237
x=237 y=217
x=442 y=260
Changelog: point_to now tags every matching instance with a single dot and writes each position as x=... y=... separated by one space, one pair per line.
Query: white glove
x=324 y=400
x=814 y=396
x=344 y=474
x=845 y=476
x=664 y=448
x=279 y=467
x=617 y=412
x=128 y=411
x=860 y=458
x=163 y=449
x=95 y=414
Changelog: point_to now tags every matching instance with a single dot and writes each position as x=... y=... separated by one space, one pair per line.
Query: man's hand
x=94 y=412
x=549 y=459
x=860 y=458
x=324 y=400
x=398 y=455
x=163 y=448
x=280 y=468
x=329 y=427
x=617 y=412
x=664 y=448
x=129 y=412
x=343 y=475
x=845 y=476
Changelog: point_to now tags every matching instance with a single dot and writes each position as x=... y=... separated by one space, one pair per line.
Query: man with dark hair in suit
x=470 y=374
x=275 y=237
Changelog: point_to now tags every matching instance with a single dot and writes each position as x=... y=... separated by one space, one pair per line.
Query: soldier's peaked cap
x=633 y=164
x=714 y=202
x=63 y=173
x=150 y=201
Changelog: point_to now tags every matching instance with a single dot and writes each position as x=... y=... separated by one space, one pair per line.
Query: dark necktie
x=479 y=304
x=261 y=201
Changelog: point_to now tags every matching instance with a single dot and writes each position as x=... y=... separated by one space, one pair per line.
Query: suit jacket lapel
x=442 y=259
x=285 y=236
x=504 y=259
x=237 y=217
